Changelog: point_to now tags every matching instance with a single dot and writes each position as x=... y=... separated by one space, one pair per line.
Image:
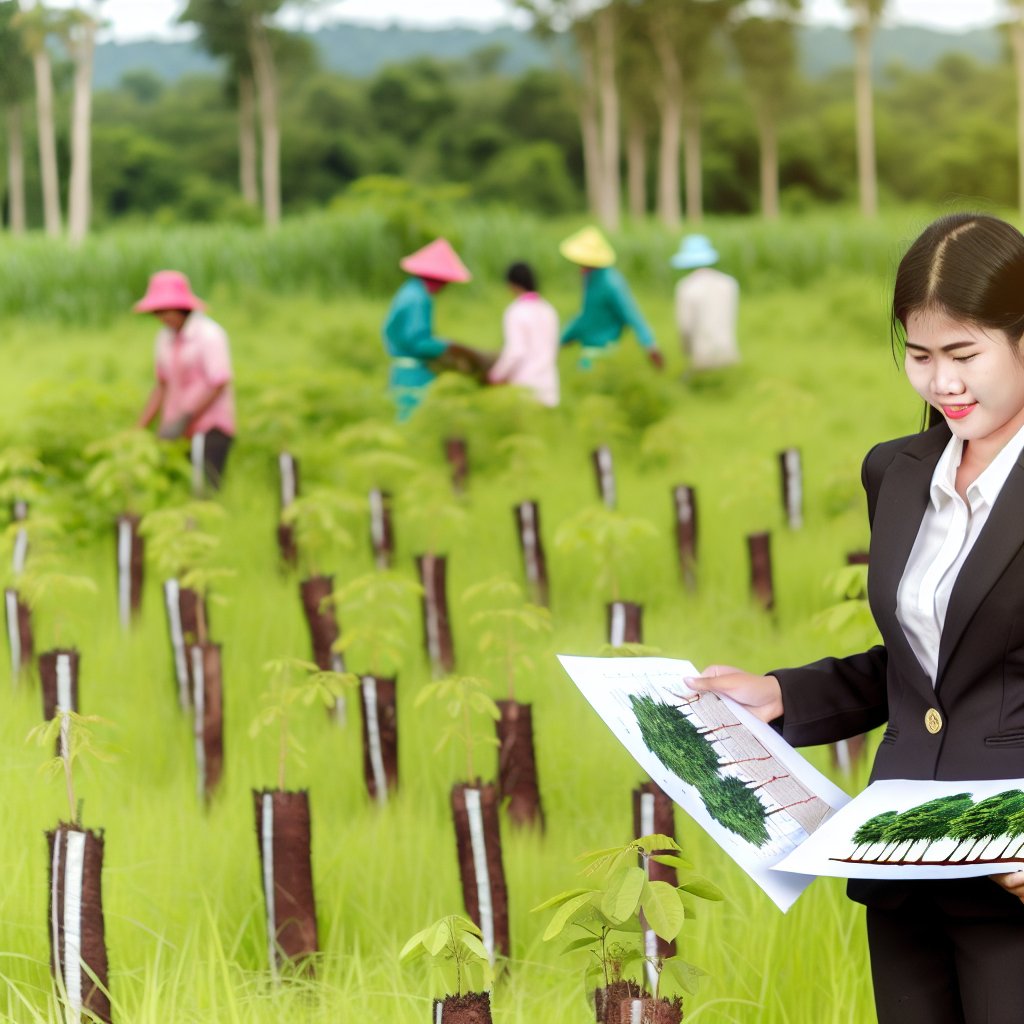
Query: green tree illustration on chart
x=871 y=831
x=985 y=821
x=684 y=750
x=928 y=821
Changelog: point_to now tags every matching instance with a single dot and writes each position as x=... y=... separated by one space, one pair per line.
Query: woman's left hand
x=1012 y=882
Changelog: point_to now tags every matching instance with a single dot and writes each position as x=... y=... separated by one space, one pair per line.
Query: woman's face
x=974 y=376
x=172 y=318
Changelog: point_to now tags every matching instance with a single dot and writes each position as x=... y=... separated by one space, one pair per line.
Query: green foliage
x=429 y=512
x=376 y=611
x=21 y=475
x=319 y=517
x=620 y=899
x=131 y=472
x=463 y=698
x=506 y=626
x=849 y=621
x=181 y=538
x=294 y=682
x=458 y=958
x=73 y=732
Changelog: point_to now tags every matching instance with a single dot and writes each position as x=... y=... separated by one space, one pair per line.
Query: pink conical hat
x=438 y=262
x=168 y=289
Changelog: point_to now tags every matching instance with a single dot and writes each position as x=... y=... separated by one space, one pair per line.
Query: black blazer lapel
x=902 y=499
x=999 y=541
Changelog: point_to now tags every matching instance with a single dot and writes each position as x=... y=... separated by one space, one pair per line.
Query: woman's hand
x=1013 y=883
x=760 y=695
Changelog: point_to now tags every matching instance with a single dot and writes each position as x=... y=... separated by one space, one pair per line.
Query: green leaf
x=437 y=938
x=662 y=909
x=622 y=896
x=672 y=861
x=558 y=900
x=565 y=914
x=585 y=942
x=685 y=975
x=702 y=888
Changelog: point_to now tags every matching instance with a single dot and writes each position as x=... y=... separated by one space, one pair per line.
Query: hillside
x=360 y=50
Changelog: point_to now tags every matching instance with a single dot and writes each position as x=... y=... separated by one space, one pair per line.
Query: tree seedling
x=430 y=514
x=76 y=743
x=130 y=472
x=607 y=915
x=319 y=519
x=293 y=684
x=506 y=623
x=459 y=963
x=464 y=698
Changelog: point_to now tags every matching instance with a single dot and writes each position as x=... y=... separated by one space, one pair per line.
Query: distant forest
x=497 y=115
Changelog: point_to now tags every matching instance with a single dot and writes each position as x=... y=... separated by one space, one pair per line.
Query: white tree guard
x=474 y=813
x=64 y=701
x=20 y=552
x=267 y=847
x=617 y=632
x=650 y=938
x=380 y=778
x=793 y=473
x=73 y=871
x=124 y=571
x=528 y=531
x=198 y=464
x=172 y=600
x=13 y=632
x=286 y=465
x=606 y=475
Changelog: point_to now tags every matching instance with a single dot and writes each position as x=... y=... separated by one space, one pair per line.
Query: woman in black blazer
x=946 y=588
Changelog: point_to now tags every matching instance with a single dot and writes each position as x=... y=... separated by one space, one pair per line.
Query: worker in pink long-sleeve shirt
x=529 y=355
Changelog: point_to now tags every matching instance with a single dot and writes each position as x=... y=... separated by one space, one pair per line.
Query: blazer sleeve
x=836 y=698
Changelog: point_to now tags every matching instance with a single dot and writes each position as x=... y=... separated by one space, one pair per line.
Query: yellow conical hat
x=589 y=248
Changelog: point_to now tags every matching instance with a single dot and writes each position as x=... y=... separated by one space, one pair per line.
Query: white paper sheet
x=734 y=775
x=931 y=843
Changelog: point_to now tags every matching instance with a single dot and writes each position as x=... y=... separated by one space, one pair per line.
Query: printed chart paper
x=734 y=775
x=912 y=829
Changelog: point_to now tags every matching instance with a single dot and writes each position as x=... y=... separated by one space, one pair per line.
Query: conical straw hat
x=438 y=262
x=589 y=248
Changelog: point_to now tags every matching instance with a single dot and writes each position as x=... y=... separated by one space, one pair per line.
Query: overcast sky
x=137 y=19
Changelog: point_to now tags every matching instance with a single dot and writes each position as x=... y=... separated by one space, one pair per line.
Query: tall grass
x=182 y=889
x=356 y=250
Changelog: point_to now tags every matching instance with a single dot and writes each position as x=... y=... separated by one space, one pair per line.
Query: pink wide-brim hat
x=437 y=262
x=168 y=289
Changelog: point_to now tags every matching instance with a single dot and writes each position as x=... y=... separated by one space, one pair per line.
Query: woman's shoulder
x=920 y=445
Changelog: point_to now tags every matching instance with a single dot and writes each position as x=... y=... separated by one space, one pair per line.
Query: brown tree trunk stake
x=207 y=701
x=131 y=554
x=382 y=532
x=283 y=831
x=455 y=451
x=288 y=471
x=472 y=1008
x=437 y=632
x=608 y=999
x=535 y=562
x=604 y=472
x=478 y=840
x=792 y=473
x=684 y=501
x=323 y=633
x=653 y=813
x=761 y=585
x=625 y=623
x=517 y=764
x=78 y=951
x=380 y=736
x=19 y=634
x=58 y=676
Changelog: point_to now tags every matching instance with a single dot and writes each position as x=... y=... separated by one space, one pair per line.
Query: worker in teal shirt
x=409 y=327
x=608 y=306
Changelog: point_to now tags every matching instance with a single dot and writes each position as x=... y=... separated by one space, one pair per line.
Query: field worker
x=409 y=327
x=706 y=304
x=529 y=354
x=193 y=374
x=946 y=587
x=608 y=306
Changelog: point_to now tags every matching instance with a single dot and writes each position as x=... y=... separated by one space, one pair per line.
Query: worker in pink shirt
x=529 y=355
x=193 y=376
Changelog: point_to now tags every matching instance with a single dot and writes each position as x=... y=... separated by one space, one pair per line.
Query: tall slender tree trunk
x=608 y=90
x=866 y=169
x=47 y=142
x=692 y=161
x=767 y=131
x=636 y=163
x=265 y=76
x=15 y=171
x=589 y=128
x=247 y=140
x=80 y=190
x=670 y=106
x=1017 y=41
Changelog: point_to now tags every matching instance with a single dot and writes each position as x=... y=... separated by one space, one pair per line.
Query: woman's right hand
x=760 y=695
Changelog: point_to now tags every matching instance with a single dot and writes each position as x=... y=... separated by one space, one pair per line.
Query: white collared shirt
x=948 y=531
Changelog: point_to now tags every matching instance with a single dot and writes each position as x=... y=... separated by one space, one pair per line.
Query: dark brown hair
x=969 y=266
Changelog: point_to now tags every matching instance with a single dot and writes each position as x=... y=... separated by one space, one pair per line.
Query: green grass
x=183 y=902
